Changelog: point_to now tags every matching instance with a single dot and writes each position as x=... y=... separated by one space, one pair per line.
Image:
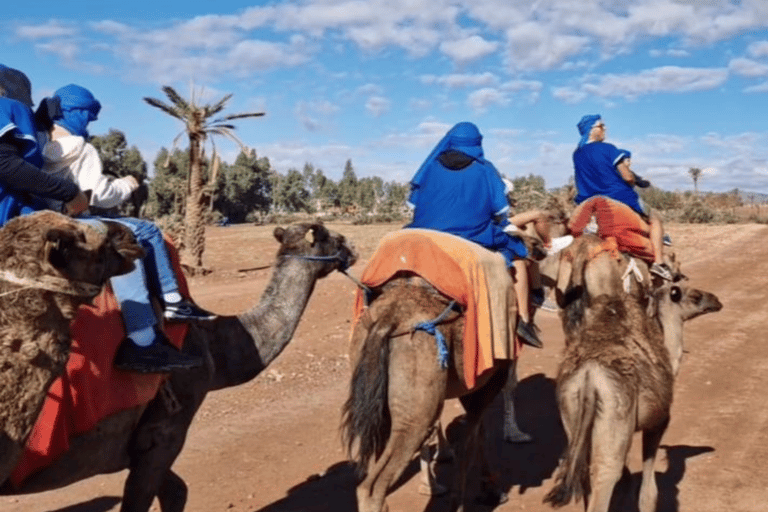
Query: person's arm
x=625 y=171
x=105 y=192
x=21 y=176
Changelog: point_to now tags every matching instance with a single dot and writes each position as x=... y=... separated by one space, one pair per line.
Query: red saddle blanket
x=475 y=277
x=91 y=389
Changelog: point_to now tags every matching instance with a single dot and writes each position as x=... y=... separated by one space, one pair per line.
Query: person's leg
x=158 y=263
x=657 y=236
x=525 y=328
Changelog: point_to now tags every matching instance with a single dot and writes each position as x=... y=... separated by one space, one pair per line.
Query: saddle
x=91 y=388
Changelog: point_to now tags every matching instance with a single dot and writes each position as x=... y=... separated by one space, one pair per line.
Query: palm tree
x=695 y=173
x=199 y=124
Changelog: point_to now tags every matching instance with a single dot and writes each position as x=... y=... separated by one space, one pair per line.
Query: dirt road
x=273 y=445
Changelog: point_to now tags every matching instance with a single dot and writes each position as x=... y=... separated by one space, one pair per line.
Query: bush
x=695 y=212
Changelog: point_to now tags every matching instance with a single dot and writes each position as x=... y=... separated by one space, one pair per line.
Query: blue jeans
x=132 y=289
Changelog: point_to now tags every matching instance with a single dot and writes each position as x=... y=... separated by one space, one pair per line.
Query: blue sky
x=680 y=83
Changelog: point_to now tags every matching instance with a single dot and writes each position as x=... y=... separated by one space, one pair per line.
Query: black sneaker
x=159 y=357
x=184 y=310
x=527 y=333
x=537 y=297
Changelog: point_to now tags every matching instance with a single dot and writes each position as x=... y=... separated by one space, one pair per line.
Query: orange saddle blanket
x=475 y=277
x=614 y=220
x=91 y=389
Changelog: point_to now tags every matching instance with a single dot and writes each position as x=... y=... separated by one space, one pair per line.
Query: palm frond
x=221 y=125
x=175 y=98
x=171 y=111
x=218 y=106
x=243 y=115
x=224 y=132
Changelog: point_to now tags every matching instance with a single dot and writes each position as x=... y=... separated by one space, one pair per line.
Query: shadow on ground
x=102 y=504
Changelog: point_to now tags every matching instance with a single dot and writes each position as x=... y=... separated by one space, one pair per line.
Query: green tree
x=166 y=191
x=247 y=188
x=348 y=186
x=291 y=194
x=200 y=123
x=695 y=174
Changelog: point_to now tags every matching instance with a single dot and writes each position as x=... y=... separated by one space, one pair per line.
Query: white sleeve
x=106 y=192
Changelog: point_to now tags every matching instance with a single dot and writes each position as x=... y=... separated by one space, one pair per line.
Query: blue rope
x=430 y=327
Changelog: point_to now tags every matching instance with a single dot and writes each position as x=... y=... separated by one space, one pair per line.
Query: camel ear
x=319 y=233
x=125 y=245
x=59 y=244
x=279 y=234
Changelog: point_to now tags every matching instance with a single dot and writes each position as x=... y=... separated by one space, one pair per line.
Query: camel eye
x=675 y=293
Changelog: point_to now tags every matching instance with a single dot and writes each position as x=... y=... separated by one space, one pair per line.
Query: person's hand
x=77 y=205
x=132 y=182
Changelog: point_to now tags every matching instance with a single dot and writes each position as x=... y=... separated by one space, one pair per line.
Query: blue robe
x=596 y=175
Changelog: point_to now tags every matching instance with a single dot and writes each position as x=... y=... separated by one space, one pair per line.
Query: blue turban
x=585 y=126
x=78 y=108
x=464 y=137
x=15 y=85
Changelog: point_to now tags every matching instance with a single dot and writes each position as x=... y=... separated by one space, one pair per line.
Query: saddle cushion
x=616 y=220
x=475 y=277
x=91 y=388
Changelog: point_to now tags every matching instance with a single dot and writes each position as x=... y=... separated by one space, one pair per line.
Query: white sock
x=172 y=297
x=143 y=337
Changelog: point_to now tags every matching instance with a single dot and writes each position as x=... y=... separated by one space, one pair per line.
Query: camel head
x=673 y=304
x=314 y=242
x=50 y=251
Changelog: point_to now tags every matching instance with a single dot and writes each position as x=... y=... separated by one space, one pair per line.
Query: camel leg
x=416 y=393
x=475 y=404
x=611 y=438
x=173 y=493
x=512 y=432
x=649 y=493
x=429 y=485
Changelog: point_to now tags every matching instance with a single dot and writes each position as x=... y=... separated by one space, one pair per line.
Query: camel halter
x=51 y=284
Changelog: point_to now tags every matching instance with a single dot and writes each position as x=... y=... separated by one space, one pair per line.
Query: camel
x=617 y=378
x=49 y=265
x=398 y=389
x=147 y=440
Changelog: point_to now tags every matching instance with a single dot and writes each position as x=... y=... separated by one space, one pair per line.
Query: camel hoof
x=434 y=490
x=492 y=498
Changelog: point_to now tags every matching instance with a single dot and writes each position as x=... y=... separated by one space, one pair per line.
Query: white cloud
x=50 y=30
x=757 y=88
x=670 y=79
x=535 y=46
x=758 y=49
x=468 y=49
x=482 y=99
x=458 y=81
x=748 y=67
x=377 y=105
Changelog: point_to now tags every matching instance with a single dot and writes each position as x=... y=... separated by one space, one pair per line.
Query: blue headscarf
x=78 y=108
x=15 y=85
x=464 y=137
x=585 y=126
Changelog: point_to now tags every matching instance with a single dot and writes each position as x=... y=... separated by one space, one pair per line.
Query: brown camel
x=398 y=389
x=616 y=378
x=146 y=440
x=49 y=265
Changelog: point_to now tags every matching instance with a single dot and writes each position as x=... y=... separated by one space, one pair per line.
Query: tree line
x=247 y=190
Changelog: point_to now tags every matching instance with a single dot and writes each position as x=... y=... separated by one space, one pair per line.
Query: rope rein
x=49 y=283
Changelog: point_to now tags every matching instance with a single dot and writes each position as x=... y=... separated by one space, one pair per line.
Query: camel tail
x=366 y=419
x=572 y=481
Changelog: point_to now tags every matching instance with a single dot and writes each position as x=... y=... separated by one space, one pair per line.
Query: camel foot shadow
x=333 y=490
x=102 y=504
x=625 y=496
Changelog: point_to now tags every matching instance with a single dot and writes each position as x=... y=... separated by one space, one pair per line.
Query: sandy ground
x=273 y=445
